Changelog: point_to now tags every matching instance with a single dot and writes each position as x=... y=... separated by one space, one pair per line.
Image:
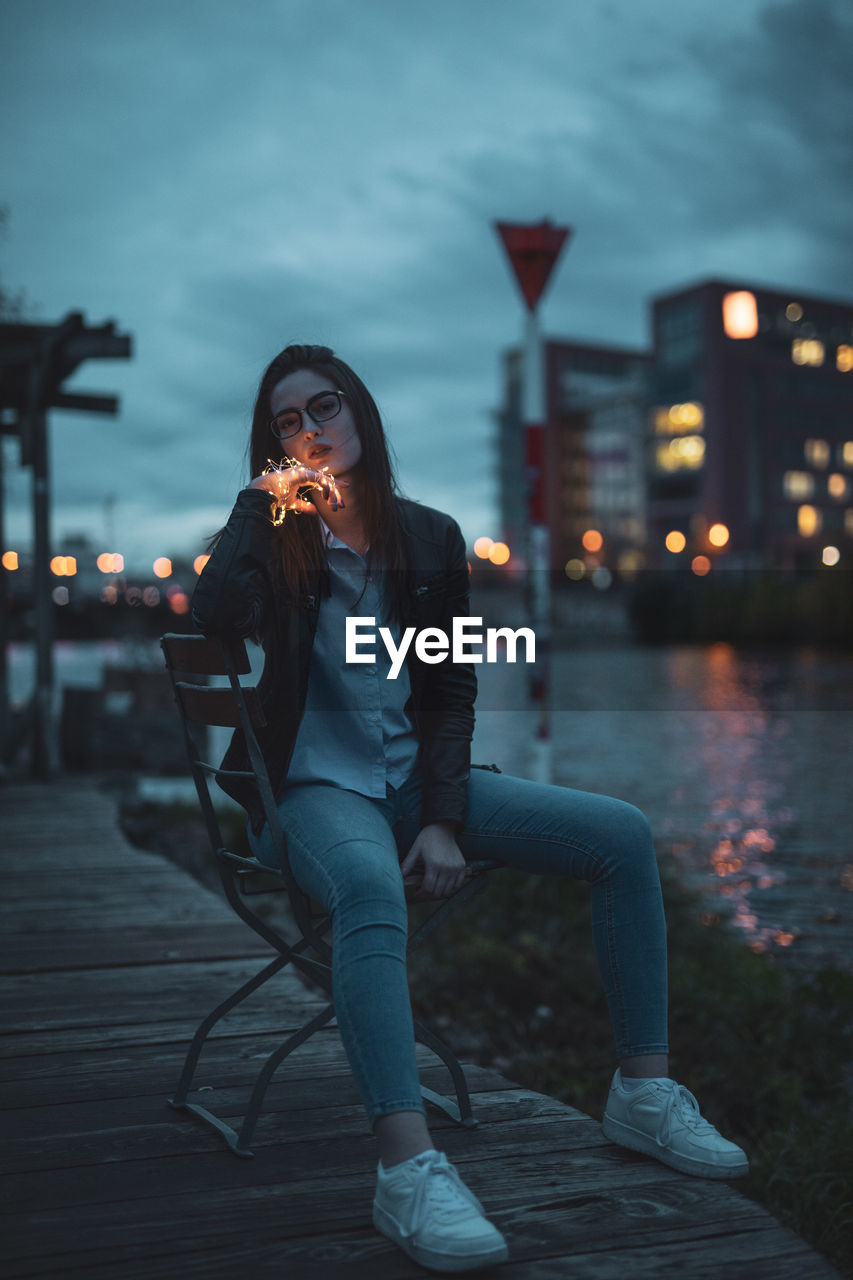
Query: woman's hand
x=443 y=864
x=283 y=484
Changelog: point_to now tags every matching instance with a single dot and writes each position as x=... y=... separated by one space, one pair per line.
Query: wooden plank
x=776 y=1255
x=61 y=1040
x=53 y=893
x=42 y=1001
x=295 y=1095
x=71 y=1137
x=228 y=1061
x=133 y=945
x=50 y=917
x=122 y=1071
x=212 y=706
x=570 y=1156
x=680 y=1226
x=566 y=1243
x=203 y=655
x=44 y=887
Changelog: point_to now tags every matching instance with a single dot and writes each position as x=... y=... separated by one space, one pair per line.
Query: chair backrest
x=191 y=660
x=203 y=656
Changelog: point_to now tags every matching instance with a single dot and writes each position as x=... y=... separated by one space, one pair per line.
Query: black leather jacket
x=235 y=596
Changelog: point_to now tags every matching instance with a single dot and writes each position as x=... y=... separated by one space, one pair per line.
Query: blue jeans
x=345 y=851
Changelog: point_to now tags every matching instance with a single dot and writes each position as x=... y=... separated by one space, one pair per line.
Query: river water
x=741 y=761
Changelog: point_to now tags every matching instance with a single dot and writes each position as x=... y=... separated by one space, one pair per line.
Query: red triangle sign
x=532 y=248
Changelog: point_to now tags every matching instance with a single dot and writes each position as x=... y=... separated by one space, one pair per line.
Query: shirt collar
x=330 y=540
x=325 y=532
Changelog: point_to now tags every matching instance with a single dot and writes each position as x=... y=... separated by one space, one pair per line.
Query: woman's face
x=333 y=444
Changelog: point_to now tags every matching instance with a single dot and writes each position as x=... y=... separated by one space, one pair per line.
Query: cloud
x=224 y=181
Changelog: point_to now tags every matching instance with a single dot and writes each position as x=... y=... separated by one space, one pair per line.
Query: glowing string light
x=280 y=509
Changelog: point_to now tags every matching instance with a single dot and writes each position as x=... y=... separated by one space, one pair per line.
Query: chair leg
x=211 y=1020
x=272 y=1063
x=239 y=1142
x=459 y=1111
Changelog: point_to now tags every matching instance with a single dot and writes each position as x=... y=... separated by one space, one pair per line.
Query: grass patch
x=177 y=831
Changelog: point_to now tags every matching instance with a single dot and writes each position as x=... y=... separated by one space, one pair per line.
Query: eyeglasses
x=322 y=407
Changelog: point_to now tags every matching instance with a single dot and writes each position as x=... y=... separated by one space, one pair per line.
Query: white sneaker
x=424 y=1207
x=662 y=1119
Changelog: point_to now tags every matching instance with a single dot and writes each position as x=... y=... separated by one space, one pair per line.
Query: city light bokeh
x=740 y=314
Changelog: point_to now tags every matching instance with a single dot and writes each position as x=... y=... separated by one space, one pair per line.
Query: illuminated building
x=596 y=406
x=751 y=425
x=736 y=430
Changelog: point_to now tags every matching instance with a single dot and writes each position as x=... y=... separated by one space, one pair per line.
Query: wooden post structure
x=35 y=360
x=533 y=250
x=45 y=744
x=5 y=705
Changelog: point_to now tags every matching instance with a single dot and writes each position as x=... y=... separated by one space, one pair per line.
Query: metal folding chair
x=190 y=661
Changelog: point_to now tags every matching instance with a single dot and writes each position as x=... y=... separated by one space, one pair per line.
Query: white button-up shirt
x=355 y=732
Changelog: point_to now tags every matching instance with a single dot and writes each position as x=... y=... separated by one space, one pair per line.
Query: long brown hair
x=301 y=554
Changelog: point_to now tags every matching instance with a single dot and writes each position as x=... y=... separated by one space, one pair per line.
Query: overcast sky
x=223 y=179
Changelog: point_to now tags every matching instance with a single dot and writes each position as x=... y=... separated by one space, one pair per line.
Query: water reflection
x=741 y=761
x=730 y=746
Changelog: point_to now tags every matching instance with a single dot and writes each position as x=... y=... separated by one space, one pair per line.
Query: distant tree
x=13 y=306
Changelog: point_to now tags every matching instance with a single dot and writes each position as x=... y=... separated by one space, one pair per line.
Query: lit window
x=740 y=315
x=809 y=521
x=807 y=351
x=689 y=416
x=844 y=359
x=798 y=484
x=684 y=453
x=817 y=453
x=677 y=419
x=847 y=453
x=837 y=485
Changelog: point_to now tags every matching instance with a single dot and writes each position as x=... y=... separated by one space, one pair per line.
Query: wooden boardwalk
x=110 y=957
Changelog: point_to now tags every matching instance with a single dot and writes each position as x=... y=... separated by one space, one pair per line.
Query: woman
x=373 y=783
